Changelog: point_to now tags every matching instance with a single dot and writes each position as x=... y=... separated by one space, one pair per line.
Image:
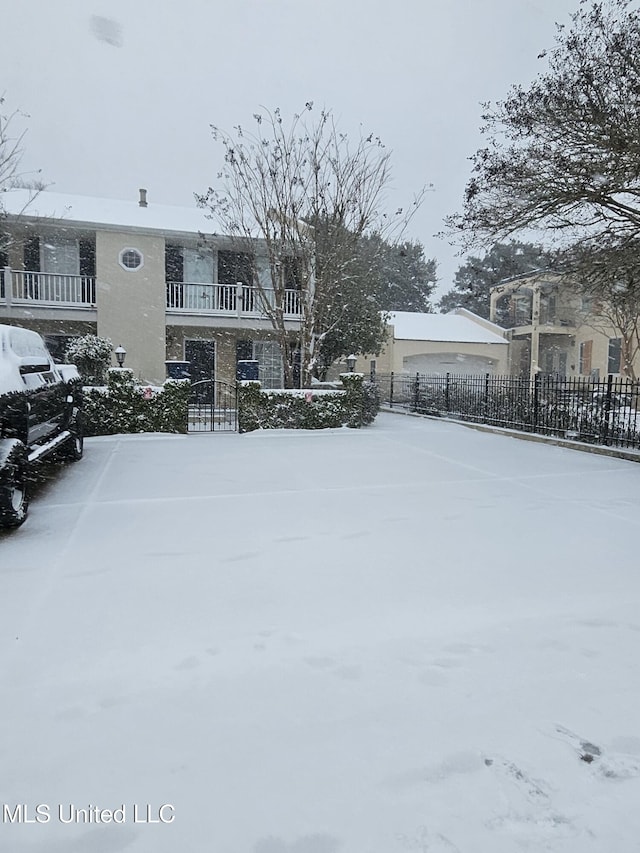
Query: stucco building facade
x=153 y=279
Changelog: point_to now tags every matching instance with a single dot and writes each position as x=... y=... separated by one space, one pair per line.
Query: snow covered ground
x=412 y=637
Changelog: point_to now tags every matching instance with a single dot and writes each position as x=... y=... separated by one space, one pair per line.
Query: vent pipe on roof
x=143 y=197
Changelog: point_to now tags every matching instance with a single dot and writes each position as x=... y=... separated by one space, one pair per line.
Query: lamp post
x=351 y=362
x=120 y=353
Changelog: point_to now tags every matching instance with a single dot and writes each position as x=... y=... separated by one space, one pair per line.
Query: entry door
x=201 y=358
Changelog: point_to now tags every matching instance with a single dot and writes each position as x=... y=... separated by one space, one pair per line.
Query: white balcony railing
x=26 y=287
x=230 y=300
x=22 y=287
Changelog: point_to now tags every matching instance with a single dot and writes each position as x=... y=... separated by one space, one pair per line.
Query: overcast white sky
x=126 y=102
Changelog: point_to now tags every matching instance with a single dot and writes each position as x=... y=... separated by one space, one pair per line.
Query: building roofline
x=537 y=275
x=58 y=210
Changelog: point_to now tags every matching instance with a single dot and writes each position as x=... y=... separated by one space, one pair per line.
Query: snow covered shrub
x=124 y=407
x=250 y=406
x=362 y=399
x=305 y=408
x=169 y=409
x=92 y=357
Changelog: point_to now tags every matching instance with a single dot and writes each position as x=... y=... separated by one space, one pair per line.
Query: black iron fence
x=596 y=412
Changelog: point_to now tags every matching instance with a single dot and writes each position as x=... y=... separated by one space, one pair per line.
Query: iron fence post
x=391 y=391
x=416 y=392
x=604 y=432
x=446 y=392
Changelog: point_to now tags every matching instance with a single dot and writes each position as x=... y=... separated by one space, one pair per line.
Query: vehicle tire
x=73 y=449
x=14 y=494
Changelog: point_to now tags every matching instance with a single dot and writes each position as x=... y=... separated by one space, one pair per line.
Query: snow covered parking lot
x=412 y=637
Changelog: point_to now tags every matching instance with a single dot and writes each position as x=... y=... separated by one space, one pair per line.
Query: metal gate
x=213 y=406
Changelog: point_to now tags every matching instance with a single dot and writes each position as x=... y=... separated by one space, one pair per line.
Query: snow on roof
x=442 y=327
x=106 y=211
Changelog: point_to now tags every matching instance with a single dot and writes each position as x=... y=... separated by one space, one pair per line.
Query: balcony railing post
x=8 y=287
x=239 y=287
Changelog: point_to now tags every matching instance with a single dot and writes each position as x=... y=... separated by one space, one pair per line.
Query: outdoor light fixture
x=120 y=355
x=351 y=362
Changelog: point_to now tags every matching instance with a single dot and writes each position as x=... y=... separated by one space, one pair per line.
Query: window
x=131 y=259
x=244 y=350
x=60 y=255
x=31 y=253
x=615 y=352
x=554 y=361
x=584 y=366
x=198 y=265
x=87 y=258
x=546 y=361
x=292 y=273
x=521 y=310
x=548 y=309
x=269 y=358
x=173 y=263
x=234 y=267
x=25 y=343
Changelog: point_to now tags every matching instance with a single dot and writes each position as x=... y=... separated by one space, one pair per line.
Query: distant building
x=555 y=330
x=459 y=342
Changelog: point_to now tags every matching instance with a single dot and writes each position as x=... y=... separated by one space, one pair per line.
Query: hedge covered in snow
x=354 y=406
x=124 y=407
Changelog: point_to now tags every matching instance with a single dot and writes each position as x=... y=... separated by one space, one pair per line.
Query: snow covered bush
x=363 y=399
x=355 y=406
x=92 y=356
x=124 y=407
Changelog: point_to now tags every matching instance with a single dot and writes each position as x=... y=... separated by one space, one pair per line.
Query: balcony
x=228 y=300
x=26 y=287
x=546 y=325
x=560 y=322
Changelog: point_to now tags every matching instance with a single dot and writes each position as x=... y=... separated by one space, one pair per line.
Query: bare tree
x=11 y=150
x=302 y=196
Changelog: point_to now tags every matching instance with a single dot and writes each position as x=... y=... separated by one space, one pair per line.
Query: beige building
x=554 y=329
x=459 y=342
x=154 y=279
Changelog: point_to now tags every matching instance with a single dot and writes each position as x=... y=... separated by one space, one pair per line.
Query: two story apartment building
x=555 y=329
x=153 y=279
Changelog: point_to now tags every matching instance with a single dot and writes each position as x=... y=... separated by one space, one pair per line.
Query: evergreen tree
x=562 y=154
x=403 y=278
